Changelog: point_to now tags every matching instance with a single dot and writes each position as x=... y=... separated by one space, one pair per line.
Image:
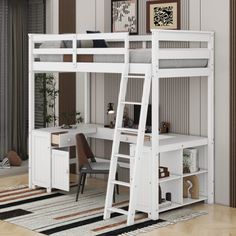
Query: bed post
x=155 y=125
x=87 y=98
x=211 y=121
x=31 y=98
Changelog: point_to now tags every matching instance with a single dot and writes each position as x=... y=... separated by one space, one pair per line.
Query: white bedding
x=145 y=56
x=136 y=56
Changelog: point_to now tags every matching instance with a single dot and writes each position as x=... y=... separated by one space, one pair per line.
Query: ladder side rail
x=139 y=147
x=116 y=143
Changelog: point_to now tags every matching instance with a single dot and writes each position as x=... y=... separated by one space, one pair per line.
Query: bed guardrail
x=74 y=51
x=195 y=51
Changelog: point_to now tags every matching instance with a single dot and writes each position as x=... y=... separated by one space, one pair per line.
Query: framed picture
x=163 y=14
x=124 y=16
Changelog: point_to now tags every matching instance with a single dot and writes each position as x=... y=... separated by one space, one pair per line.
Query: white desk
x=49 y=165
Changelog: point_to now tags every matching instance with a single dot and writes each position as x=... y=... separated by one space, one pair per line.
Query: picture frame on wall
x=124 y=16
x=163 y=14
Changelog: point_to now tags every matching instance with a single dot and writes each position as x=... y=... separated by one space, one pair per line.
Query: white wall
x=215 y=16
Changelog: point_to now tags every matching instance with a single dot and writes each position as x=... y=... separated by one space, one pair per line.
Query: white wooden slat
x=183 y=72
x=188 y=36
x=37 y=38
x=52 y=51
x=87 y=67
x=184 y=53
x=58 y=37
x=107 y=51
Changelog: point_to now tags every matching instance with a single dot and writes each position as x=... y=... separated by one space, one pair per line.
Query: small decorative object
x=124 y=16
x=191 y=187
x=110 y=112
x=14 y=158
x=110 y=108
x=160 y=195
x=68 y=118
x=163 y=14
x=5 y=164
x=127 y=122
x=164 y=127
x=163 y=172
x=168 y=196
x=190 y=160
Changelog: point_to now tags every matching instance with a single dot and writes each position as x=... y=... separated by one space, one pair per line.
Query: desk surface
x=82 y=128
x=168 y=142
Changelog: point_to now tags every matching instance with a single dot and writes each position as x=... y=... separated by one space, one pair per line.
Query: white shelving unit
x=171 y=156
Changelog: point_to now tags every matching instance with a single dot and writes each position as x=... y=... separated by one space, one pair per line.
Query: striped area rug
x=58 y=214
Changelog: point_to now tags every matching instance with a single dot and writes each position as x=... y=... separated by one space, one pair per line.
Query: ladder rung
x=135 y=76
x=124 y=156
x=127 y=130
x=125 y=184
x=118 y=210
x=132 y=103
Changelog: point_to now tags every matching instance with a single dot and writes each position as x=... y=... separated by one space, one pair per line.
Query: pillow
x=14 y=159
x=68 y=43
x=86 y=43
x=98 y=43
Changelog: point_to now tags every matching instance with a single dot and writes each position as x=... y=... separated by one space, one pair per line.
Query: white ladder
x=119 y=130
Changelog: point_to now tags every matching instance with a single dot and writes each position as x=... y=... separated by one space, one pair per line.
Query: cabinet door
x=60 y=170
x=144 y=190
x=41 y=159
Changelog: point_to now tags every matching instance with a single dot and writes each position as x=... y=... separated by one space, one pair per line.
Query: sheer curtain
x=16 y=21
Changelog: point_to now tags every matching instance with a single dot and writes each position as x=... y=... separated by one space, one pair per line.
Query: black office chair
x=88 y=164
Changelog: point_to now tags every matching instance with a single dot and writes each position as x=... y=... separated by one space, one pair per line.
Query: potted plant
x=68 y=117
x=49 y=92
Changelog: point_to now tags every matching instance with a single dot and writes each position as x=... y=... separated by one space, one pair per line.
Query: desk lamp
x=111 y=111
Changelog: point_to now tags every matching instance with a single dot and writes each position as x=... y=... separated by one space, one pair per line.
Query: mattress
x=144 y=56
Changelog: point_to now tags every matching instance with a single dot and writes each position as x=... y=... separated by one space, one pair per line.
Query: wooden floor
x=220 y=221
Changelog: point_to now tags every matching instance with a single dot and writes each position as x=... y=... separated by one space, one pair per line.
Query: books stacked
x=5 y=164
x=163 y=172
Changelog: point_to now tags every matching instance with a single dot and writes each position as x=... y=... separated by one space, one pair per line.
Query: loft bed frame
x=158 y=53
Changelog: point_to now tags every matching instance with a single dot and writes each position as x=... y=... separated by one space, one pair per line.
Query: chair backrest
x=84 y=151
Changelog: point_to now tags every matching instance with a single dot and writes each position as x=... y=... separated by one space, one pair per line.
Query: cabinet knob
x=68 y=139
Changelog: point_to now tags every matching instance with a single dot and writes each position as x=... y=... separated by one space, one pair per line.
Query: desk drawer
x=63 y=139
x=129 y=138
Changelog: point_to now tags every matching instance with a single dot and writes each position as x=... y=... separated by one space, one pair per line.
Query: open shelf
x=172 y=206
x=201 y=171
x=188 y=201
x=170 y=178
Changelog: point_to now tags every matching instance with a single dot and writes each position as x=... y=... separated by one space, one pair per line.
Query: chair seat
x=97 y=166
x=100 y=165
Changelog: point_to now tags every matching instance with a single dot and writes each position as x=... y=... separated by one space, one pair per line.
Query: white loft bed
x=158 y=54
